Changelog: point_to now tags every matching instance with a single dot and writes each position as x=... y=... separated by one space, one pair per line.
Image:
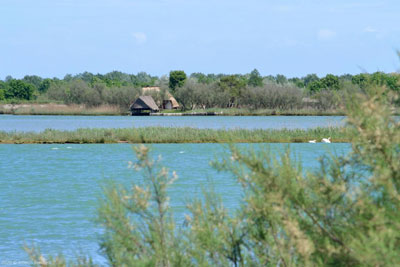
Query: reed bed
x=175 y=135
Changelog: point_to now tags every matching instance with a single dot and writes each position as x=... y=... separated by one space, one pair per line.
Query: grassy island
x=175 y=135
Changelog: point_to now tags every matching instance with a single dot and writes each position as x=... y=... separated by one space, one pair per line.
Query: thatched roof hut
x=144 y=103
x=168 y=96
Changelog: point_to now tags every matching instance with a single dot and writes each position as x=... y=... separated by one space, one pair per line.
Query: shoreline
x=53 y=109
x=175 y=135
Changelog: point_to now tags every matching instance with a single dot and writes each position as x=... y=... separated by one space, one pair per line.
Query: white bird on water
x=312 y=141
x=326 y=140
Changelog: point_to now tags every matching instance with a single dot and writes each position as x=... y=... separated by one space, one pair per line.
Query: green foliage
x=391 y=81
x=233 y=85
x=91 y=95
x=383 y=79
x=281 y=79
x=361 y=80
x=177 y=78
x=202 y=78
x=140 y=230
x=33 y=79
x=186 y=95
x=315 y=86
x=215 y=237
x=329 y=100
x=331 y=82
x=273 y=96
x=255 y=79
x=19 y=90
x=44 y=85
x=2 y=94
x=297 y=81
x=38 y=260
x=310 y=78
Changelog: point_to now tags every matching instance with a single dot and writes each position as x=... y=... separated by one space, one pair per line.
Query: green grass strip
x=158 y=135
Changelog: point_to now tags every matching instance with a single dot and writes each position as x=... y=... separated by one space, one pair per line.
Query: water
x=49 y=193
x=40 y=123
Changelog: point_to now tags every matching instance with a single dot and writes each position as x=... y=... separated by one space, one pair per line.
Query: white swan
x=312 y=141
x=326 y=140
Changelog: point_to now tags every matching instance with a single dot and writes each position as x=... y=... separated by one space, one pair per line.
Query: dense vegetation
x=346 y=213
x=196 y=91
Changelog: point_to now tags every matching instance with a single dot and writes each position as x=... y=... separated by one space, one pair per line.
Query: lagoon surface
x=48 y=193
x=39 y=123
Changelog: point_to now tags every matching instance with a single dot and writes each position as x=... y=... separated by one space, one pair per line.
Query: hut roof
x=151 y=88
x=144 y=102
x=168 y=95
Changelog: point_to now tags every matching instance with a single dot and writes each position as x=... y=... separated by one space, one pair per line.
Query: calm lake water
x=40 y=123
x=48 y=193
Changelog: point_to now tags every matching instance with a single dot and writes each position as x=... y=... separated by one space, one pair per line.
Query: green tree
x=328 y=82
x=177 y=78
x=310 y=78
x=255 y=79
x=297 y=81
x=383 y=79
x=281 y=79
x=186 y=95
x=44 y=85
x=143 y=79
x=202 y=78
x=232 y=85
x=19 y=90
x=68 y=77
x=2 y=94
x=361 y=80
x=315 y=86
x=331 y=82
x=33 y=79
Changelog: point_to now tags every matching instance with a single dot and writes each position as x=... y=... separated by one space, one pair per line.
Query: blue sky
x=51 y=38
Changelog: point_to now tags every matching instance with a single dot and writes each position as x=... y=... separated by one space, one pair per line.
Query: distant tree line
x=196 y=90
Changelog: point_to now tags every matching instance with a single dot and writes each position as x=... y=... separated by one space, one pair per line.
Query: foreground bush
x=346 y=213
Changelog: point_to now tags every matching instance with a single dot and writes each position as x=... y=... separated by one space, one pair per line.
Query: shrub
x=177 y=79
x=19 y=90
x=272 y=96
